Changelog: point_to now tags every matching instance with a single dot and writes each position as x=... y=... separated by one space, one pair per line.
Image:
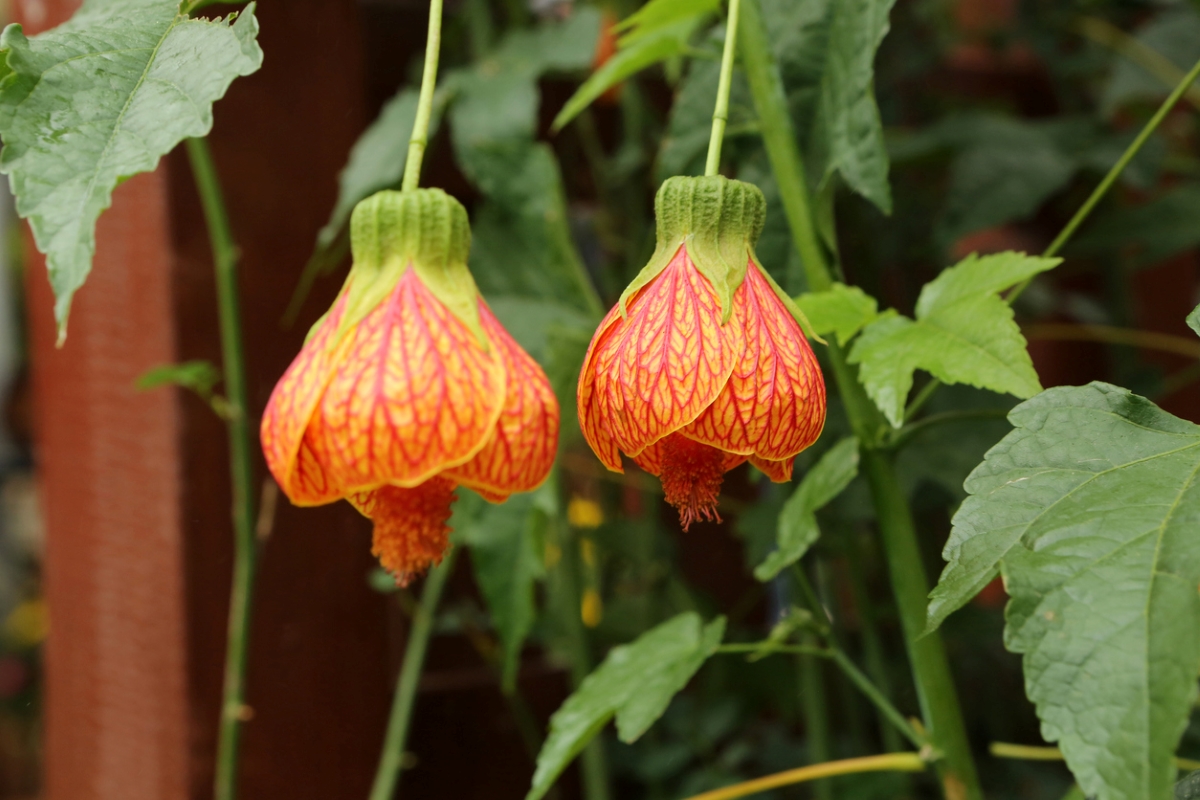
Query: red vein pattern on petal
x=519 y=454
x=410 y=533
x=593 y=407
x=777 y=471
x=413 y=393
x=773 y=405
x=657 y=370
x=290 y=409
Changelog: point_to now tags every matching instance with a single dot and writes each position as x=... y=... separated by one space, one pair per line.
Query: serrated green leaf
x=798 y=521
x=198 y=376
x=642 y=51
x=1090 y=507
x=503 y=540
x=848 y=135
x=964 y=333
x=635 y=683
x=99 y=99
x=842 y=310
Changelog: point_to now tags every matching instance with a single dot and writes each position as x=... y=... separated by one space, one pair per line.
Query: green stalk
x=721 y=112
x=420 y=133
x=245 y=555
x=387 y=776
x=935 y=688
x=816 y=719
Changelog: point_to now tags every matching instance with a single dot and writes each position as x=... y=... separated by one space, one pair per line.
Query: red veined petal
x=413 y=393
x=520 y=452
x=778 y=471
x=290 y=409
x=411 y=533
x=773 y=405
x=593 y=407
x=658 y=369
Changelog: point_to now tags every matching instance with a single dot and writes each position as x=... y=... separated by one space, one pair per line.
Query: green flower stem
x=721 y=112
x=225 y=256
x=816 y=719
x=935 y=688
x=872 y=644
x=420 y=133
x=387 y=776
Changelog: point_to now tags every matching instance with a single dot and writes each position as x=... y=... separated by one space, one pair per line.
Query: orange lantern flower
x=409 y=387
x=702 y=364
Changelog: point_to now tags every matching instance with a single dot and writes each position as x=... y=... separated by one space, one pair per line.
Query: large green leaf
x=848 y=138
x=504 y=541
x=1089 y=508
x=99 y=99
x=635 y=683
x=963 y=333
x=842 y=310
x=522 y=243
x=798 y=518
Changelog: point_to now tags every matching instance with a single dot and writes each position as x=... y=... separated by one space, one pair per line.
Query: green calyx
x=425 y=229
x=719 y=221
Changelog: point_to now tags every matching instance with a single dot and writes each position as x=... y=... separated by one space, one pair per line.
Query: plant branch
x=909 y=432
x=935 y=687
x=241 y=472
x=1109 y=334
x=420 y=133
x=888 y=762
x=721 y=112
x=392 y=757
x=1027 y=752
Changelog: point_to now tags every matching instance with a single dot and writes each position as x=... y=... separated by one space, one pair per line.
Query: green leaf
x=198 y=376
x=636 y=683
x=100 y=98
x=689 y=128
x=522 y=244
x=642 y=51
x=1005 y=173
x=798 y=520
x=1193 y=320
x=964 y=333
x=842 y=310
x=848 y=135
x=1152 y=232
x=504 y=543
x=660 y=13
x=1089 y=508
x=1174 y=33
x=533 y=322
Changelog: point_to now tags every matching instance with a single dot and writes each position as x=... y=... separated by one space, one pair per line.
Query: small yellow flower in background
x=584 y=513
x=702 y=364
x=409 y=387
x=28 y=624
x=591 y=610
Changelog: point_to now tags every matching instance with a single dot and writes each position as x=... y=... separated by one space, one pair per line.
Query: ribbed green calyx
x=425 y=229
x=719 y=222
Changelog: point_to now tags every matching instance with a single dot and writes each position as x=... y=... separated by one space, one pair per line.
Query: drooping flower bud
x=409 y=387
x=702 y=364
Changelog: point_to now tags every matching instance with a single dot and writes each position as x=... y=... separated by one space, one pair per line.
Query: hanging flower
x=702 y=365
x=409 y=387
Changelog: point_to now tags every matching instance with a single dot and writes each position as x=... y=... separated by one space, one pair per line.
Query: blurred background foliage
x=998 y=117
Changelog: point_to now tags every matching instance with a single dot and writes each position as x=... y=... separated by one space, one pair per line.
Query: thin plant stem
x=755 y=648
x=1102 y=188
x=881 y=702
x=816 y=718
x=931 y=670
x=1111 y=334
x=1025 y=752
x=721 y=112
x=888 y=762
x=420 y=132
x=241 y=471
x=387 y=776
x=909 y=432
x=1105 y=33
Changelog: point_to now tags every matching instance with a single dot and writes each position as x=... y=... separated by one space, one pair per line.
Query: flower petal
x=651 y=459
x=777 y=471
x=657 y=370
x=519 y=455
x=773 y=405
x=290 y=409
x=414 y=392
x=593 y=407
